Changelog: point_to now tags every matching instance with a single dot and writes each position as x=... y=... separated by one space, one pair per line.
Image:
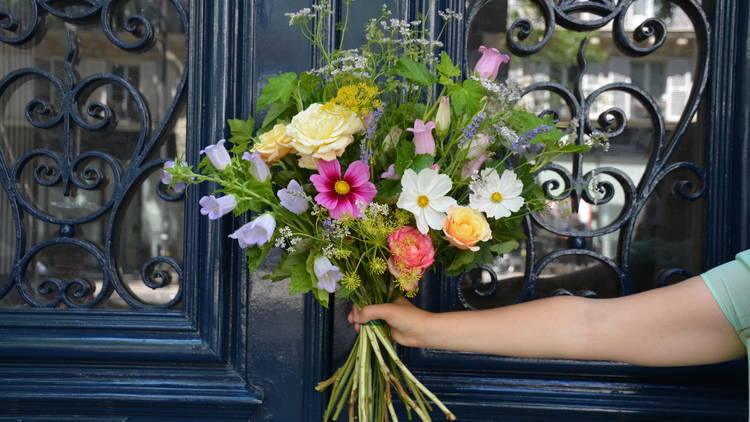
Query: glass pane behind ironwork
x=91 y=105
x=665 y=244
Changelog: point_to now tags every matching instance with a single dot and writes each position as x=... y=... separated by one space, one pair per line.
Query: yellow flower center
x=497 y=197
x=423 y=201
x=341 y=187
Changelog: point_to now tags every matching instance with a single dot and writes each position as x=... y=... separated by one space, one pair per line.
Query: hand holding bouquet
x=371 y=169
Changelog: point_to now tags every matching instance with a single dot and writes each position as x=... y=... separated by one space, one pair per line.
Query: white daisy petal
x=513 y=204
x=497 y=210
x=421 y=222
x=442 y=185
x=434 y=218
x=409 y=182
x=426 y=181
x=442 y=204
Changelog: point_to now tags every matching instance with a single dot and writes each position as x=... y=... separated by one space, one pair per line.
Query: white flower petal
x=497 y=210
x=422 y=222
x=426 y=180
x=441 y=186
x=434 y=218
x=442 y=204
x=513 y=204
x=409 y=183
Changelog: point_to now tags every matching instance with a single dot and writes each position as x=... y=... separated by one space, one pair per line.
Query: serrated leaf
x=387 y=188
x=279 y=88
x=308 y=84
x=301 y=280
x=404 y=156
x=446 y=66
x=242 y=129
x=466 y=97
x=463 y=258
x=414 y=71
x=504 y=247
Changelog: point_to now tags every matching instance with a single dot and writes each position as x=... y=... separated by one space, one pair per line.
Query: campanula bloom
x=259 y=169
x=390 y=173
x=488 y=65
x=166 y=178
x=328 y=274
x=340 y=194
x=218 y=155
x=256 y=232
x=293 y=198
x=443 y=116
x=424 y=143
x=215 y=207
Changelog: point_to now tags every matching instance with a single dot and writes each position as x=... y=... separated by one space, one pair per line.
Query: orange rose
x=465 y=227
x=274 y=144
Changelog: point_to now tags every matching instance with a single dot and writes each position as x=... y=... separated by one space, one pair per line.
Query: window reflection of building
x=665 y=74
x=147 y=226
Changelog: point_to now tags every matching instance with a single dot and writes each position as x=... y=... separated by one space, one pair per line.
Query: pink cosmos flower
x=340 y=194
x=424 y=143
x=488 y=65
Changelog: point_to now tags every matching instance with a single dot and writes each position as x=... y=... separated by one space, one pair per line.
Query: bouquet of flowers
x=370 y=170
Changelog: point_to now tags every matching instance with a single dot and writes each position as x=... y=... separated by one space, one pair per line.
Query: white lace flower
x=497 y=196
x=425 y=196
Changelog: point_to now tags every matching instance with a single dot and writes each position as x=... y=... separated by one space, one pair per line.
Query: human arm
x=679 y=324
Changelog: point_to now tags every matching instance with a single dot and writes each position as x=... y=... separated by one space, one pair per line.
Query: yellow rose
x=274 y=144
x=465 y=227
x=323 y=131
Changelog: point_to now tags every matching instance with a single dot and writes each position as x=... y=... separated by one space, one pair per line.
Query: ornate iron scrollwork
x=65 y=169
x=573 y=184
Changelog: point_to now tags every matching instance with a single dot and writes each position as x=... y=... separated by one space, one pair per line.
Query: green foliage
x=279 y=88
x=256 y=255
x=274 y=112
x=421 y=161
x=466 y=97
x=503 y=247
x=447 y=69
x=242 y=133
x=414 y=71
x=387 y=188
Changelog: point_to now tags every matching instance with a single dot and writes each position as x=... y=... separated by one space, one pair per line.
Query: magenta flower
x=218 y=155
x=340 y=194
x=215 y=207
x=488 y=65
x=424 y=143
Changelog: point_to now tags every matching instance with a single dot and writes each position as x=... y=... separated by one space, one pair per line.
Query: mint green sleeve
x=730 y=285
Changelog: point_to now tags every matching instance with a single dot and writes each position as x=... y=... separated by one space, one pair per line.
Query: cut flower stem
x=367 y=383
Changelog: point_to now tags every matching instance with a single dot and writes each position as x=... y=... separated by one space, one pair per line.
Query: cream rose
x=465 y=227
x=323 y=131
x=274 y=144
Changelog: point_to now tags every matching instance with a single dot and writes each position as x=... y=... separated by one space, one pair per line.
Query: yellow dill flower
x=359 y=98
x=341 y=253
x=378 y=266
x=351 y=281
x=402 y=217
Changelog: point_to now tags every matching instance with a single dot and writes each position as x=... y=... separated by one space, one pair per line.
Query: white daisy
x=497 y=196
x=424 y=195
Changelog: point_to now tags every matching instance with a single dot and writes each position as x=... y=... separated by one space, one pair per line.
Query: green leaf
x=573 y=148
x=276 y=110
x=504 y=247
x=421 y=161
x=463 y=258
x=387 y=188
x=404 y=156
x=279 y=88
x=301 y=282
x=242 y=129
x=446 y=66
x=256 y=255
x=466 y=97
x=283 y=269
x=308 y=84
x=414 y=71
x=323 y=296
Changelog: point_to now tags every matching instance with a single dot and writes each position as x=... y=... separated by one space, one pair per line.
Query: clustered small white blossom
x=335 y=230
x=508 y=134
x=362 y=208
x=376 y=210
x=449 y=15
x=300 y=14
x=565 y=140
x=597 y=139
x=507 y=92
x=348 y=62
x=286 y=239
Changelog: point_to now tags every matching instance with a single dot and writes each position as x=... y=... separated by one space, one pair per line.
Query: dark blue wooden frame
x=185 y=364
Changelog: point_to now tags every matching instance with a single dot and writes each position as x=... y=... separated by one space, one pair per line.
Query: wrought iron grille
x=98 y=139
x=639 y=31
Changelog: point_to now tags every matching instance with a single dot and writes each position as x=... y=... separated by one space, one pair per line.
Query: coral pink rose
x=412 y=252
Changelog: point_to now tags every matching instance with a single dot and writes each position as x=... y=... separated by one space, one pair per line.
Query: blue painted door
x=119 y=302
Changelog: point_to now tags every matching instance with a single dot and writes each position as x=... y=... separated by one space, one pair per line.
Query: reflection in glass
x=127 y=77
x=664 y=232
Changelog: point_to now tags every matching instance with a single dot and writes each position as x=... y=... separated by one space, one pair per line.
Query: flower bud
x=443 y=116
